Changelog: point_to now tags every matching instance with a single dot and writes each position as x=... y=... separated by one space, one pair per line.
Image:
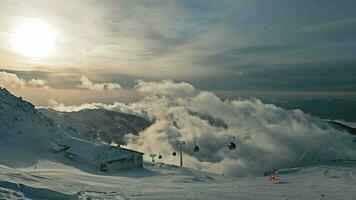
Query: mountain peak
x=98 y=124
x=19 y=117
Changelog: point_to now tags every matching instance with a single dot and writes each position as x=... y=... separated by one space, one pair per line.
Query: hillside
x=21 y=117
x=24 y=131
x=335 y=109
x=98 y=124
x=343 y=126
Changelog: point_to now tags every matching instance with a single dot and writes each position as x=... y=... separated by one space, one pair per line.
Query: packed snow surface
x=51 y=180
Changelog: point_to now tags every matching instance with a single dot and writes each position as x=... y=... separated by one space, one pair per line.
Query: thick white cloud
x=117 y=106
x=87 y=84
x=39 y=83
x=267 y=136
x=10 y=80
x=166 y=88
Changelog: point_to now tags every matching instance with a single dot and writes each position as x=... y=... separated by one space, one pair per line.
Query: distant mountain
x=343 y=126
x=336 y=109
x=98 y=124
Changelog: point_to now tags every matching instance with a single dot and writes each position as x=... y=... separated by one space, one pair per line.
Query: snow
x=52 y=180
x=20 y=118
x=28 y=170
x=98 y=124
x=25 y=134
x=85 y=148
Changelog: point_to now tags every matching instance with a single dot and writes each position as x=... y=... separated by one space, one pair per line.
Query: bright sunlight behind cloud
x=34 y=38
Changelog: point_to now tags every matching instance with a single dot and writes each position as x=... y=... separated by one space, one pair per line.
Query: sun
x=34 y=38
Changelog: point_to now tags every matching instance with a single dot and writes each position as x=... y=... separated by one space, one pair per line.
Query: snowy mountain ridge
x=19 y=117
x=25 y=134
x=98 y=124
x=345 y=126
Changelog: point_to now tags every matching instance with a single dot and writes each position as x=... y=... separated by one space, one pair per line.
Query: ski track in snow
x=57 y=181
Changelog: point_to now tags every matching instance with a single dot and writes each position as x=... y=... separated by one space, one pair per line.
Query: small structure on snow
x=103 y=157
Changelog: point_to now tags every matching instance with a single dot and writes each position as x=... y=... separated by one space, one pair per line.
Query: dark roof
x=88 y=149
x=130 y=150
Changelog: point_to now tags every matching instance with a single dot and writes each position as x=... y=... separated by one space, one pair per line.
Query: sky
x=101 y=49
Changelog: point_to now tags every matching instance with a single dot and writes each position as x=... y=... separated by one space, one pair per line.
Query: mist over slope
x=25 y=134
x=267 y=136
x=98 y=124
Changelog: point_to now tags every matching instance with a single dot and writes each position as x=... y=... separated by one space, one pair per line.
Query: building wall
x=80 y=159
x=121 y=163
x=138 y=160
x=115 y=154
x=134 y=160
x=113 y=160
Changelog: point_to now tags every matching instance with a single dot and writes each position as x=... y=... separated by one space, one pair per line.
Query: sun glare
x=34 y=38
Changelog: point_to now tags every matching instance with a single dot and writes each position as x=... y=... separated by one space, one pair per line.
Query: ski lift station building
x=101 y=156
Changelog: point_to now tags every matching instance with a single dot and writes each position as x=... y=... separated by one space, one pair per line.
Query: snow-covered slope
x=56 y=181
x=94 y=124
x=25 y=134
x=20 y=117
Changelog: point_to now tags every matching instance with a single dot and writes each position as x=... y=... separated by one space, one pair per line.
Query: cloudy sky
x=99 y=49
